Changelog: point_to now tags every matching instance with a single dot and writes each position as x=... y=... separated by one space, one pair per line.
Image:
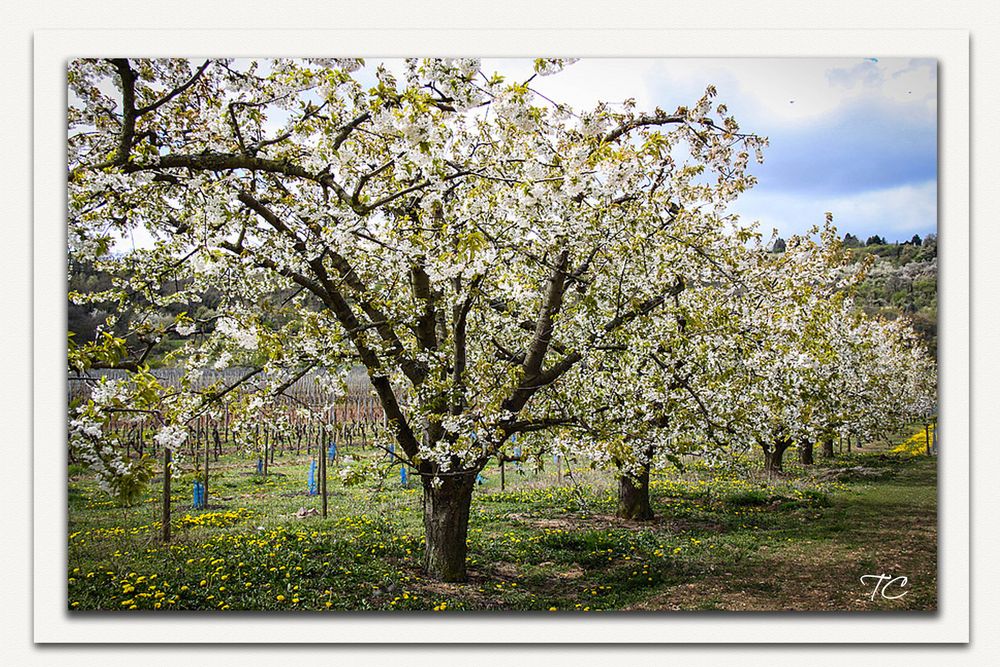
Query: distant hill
x=902 y=281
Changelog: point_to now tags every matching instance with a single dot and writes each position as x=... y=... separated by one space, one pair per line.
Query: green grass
x=719 y=541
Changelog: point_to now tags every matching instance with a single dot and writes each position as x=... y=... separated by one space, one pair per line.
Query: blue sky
x=853 y=136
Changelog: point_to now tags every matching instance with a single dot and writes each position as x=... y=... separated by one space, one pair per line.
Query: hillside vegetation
x=903 y=281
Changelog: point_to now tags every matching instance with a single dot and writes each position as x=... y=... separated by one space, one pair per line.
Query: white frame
x=53 y=624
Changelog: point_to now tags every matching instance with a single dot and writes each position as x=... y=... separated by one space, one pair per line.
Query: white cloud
x=896 y=213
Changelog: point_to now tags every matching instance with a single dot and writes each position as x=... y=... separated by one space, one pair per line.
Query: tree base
x=446 y=526
x=774 y=455
x=828 y=448
x=633 y=498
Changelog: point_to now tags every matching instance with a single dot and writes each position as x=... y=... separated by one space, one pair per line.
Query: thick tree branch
x=345 y=132
x=530 y=425
x=551 y=305
x=460 y=318
x=129 y=115
x=414 y=372
x=531 y=384
x=642 y=121
x=424 y=295
x=335 y=301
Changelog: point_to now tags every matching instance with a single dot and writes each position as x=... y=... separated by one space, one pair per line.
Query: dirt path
x=886 y=527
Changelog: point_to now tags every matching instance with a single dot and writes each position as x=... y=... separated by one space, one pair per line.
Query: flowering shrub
x=916 y=444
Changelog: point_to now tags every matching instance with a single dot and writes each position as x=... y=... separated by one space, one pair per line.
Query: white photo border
x=52 y=623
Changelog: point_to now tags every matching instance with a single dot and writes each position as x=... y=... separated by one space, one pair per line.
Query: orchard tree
x=465 y=239
x=788 y=365
x=673 y=404
x=887 y=377
x=814 y=365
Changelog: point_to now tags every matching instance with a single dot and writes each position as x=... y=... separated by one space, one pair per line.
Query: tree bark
x=828 y=447
x=806 y=453
x=633 y=496
x=774 y=454
x=446 y=525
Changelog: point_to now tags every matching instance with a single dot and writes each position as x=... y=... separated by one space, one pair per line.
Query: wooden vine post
x=208 y=446
x=166 y=493
x=322 y=475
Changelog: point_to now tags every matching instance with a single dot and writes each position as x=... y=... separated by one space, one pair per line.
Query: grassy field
x=719 y=542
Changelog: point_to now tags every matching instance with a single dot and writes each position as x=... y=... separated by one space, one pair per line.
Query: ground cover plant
x=738 y=541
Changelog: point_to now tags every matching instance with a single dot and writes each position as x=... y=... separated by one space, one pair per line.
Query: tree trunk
x=828 y=447
x=633 y=496
x=774 y=454
x=771 y=463
x=446 y=524
x=927 y=439
x=806 y=453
